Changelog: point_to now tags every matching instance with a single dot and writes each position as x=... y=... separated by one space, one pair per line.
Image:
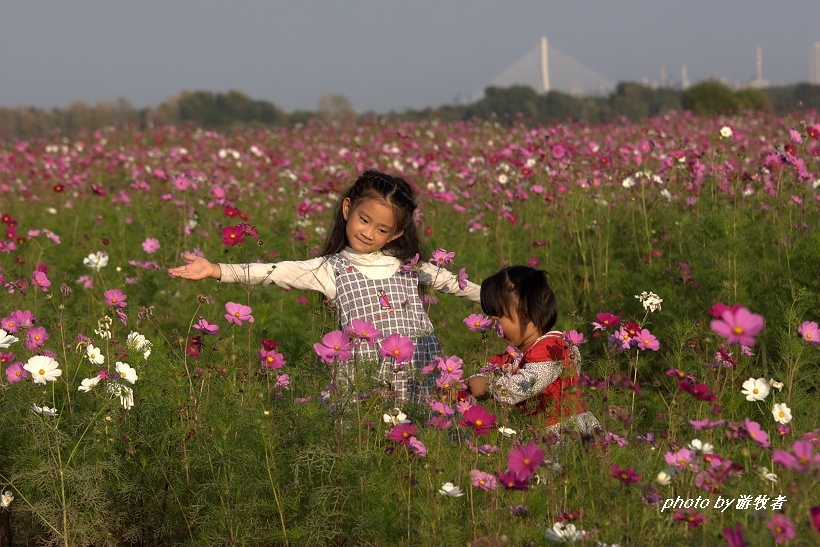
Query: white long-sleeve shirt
x=317 y=275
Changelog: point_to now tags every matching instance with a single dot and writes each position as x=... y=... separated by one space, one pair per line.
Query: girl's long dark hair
x=525 y=288
x=390 y=190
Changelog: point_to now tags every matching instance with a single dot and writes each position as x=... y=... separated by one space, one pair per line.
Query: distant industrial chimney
x=759 y=82
x=545 y=70
x=684 y=78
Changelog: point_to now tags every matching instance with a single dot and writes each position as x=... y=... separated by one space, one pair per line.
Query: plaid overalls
x=393 y=305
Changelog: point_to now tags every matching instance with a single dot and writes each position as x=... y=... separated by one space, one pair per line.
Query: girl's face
x=370 y=226
x=518 y=334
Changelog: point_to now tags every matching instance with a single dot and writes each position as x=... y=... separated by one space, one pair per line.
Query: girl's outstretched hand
x=197 y=267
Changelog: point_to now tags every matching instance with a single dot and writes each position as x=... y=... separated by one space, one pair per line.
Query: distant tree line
x=224 y=110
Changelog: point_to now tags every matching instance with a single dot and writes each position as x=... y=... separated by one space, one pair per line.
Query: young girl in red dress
x=539 y=372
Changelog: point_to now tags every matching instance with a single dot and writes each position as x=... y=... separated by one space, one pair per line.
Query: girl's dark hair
x=393 y=191
x=524 y=289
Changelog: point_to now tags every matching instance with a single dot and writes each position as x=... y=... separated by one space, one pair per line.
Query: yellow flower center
x=42 y=371
x=478 y=422
x=755 y=391
x=737 y=329
x=396 y=352
x=337 y=347
x=526 y=461
x=781 y=414
x=809 y=335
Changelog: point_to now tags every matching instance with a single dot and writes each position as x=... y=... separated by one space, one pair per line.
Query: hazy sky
x=381 y=54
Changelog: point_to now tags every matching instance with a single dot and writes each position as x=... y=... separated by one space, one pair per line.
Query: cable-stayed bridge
x=546 y=68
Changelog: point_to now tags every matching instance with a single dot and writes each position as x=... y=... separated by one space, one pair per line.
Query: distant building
x=815 y=64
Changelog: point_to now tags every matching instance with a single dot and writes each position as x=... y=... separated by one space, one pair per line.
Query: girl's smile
x=370 y=225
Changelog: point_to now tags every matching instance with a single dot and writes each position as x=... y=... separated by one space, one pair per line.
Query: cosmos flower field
x=141 y=409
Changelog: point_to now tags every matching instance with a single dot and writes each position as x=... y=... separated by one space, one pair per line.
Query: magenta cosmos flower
x=417 y=447
x=626 y=476
x=738 y=325
x=237 y=313
x=525 y=459
x=271 y=359
x=364 y=330
x=115 y=298
x=402 y=433
x=810 y=332
x=800 y=459
x=479 y=419
x=575 y=338
x=605 y=321
x=398 y=347
x=478 y=322
x=511 y=480
x=334 y=345
x=233 y=235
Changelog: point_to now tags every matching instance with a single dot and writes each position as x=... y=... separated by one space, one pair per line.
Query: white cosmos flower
x=775 y=384
x=6 y=339
x=650 y=301
x=6 y=498
x=43 y=411
x=96 y=261
x=94 y=355
x=726 y=132
x=565 y=532
x=755 y=389
x=138 y=342
x=125 y=393
x=89 y=383
x=507 y=432
x=449 y=489
x=698 y=446
x=126 y=372
x=665 y=477
x=782 y=414
x=767 y=475
x=628 y=182
x=395 y=417
x=43 y=369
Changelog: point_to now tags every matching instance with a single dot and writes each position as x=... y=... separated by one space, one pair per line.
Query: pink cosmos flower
x=364 y=330
x=441 y=409
x=756 y=433
x=525 y=460
x=417 y=447
x=738 y=325
x=36 y=337
x=237 y=313
x=478 y=322
x=462 y=278
x=485 y=481
x=40 y=280
x=451 y=364
x=448 y=380
x=575 y=338
x=402 y=433
x=801 y=459
x=706 y=423
x=409 y=266
x=809 y=330
x=647 y=340
x=206 y=327
x=398 y=347
x=680 y=459
x=626 y=476
x=479 y=419
x=271 y=359
x=511 y=480
x=16 y=373
x=150 y=245
x=85 y=282
x=441 y=257
x=781 y=527
x=115 y=297
x=700 y=391
x=334 y=345
x=233 y=235
x=282 y=381
x=23 y=318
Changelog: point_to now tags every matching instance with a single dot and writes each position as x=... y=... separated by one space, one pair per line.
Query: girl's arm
x=315 y=274
x=447 y=282
x=528 y=382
